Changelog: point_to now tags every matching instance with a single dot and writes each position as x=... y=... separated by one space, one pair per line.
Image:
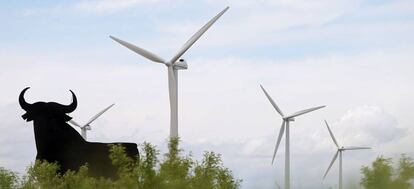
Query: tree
x=148 y=177
x=175 y=168
x=381 y=174
x=174 y=171
x=8 y=179
x=405 y=173
x=210 y=174
x=42 y=175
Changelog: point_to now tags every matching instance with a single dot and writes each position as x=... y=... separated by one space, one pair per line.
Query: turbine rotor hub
x=289 y=119
x=168 y=64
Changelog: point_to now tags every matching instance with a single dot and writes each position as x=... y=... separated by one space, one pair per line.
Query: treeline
x=175 y=170
x=383 y=173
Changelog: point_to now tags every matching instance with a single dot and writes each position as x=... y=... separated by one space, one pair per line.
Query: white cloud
x=221 y=107
x=391 y=7
x=251 y=24
x=369 y=126
x=252 y=21
x=104 y=6
x=224 y=107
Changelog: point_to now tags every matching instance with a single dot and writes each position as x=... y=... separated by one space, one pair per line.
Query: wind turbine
x=277 y=185
x=173 y=65
x=285 y=126
x=87 y=126
x=339 y=151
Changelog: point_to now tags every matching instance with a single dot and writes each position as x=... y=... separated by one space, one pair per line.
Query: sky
x=353 y=56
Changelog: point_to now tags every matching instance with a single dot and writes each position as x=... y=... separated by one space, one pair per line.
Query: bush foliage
x=173 y=171
x=176 y=170
x=382 y=175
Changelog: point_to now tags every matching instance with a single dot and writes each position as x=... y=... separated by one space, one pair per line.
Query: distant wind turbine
x=339 y=151
x=285 y=126
x=87 y=126
x=173 y=65
x=278 y=186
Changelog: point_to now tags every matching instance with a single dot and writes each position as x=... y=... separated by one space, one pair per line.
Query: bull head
x=49 y=109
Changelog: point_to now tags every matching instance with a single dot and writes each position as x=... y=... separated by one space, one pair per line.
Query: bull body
x=57 y=141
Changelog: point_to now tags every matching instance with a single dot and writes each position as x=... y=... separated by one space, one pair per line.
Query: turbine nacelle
x=181 y=64
x=289 y=119
x=88 y=127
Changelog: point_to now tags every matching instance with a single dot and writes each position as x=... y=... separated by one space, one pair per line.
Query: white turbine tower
x=285 y=126
x=173 y=65
x=87 y=126
x=339 y=151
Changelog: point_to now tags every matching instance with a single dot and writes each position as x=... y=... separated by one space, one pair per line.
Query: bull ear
x=67 y=118
x=71 y=107
x=25 y=106
x=27 y=116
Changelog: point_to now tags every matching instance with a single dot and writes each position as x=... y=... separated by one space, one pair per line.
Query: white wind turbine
x=278 y=186
x=173 y=65
x=285 y=126
x=339 y=151
x=87 y=126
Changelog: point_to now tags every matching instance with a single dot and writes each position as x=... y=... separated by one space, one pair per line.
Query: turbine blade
x=272 y=102
x=304 y=112
x=99 y=114
x=330 y=165
x=139 y=50
x=196 y=36
x=74 y=123
x=279 y=138
x=332 y=136
x=357 y=148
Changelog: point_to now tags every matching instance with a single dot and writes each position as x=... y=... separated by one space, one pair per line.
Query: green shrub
x=381 y=174
x=174 y=171
x=8 y=179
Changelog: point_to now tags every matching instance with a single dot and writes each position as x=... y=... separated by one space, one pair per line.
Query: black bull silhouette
x=56 y=141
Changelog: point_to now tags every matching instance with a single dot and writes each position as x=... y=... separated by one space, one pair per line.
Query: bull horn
x=25 y=106
x=71 y=107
